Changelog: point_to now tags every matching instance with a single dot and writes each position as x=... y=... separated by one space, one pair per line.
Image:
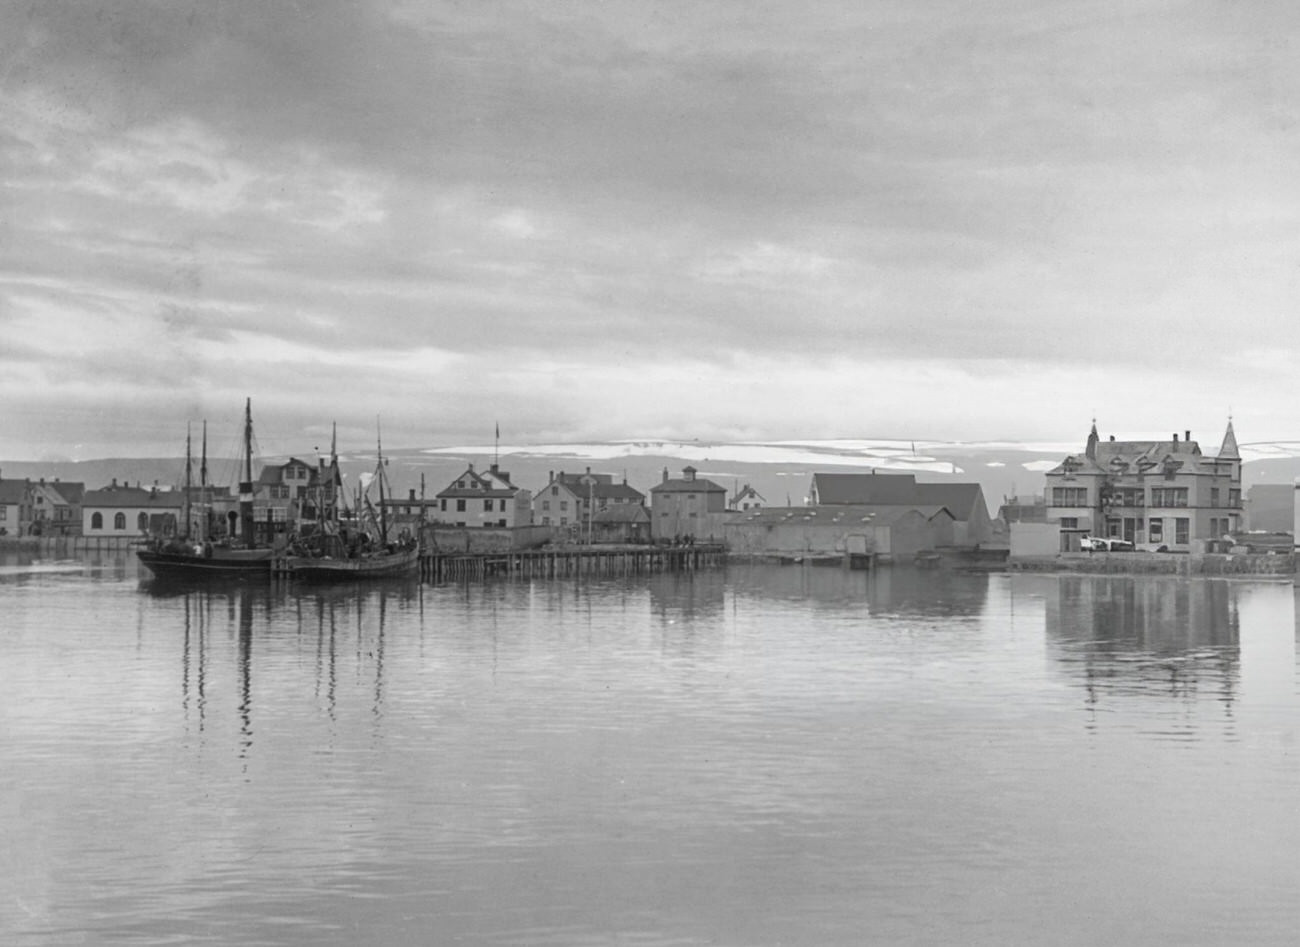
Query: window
x=1132 y=496
x=502 y=507
x=555 y=491
x=564 y=521
x=97 y=521
x=487 y=506
x=564 y=504
x=460 y=506
x=1181 y=529
x=1069 y=496
x=1234 y=498
x=1168 y=496
x=546 y=521
x=119 y=521
x=1067 y=522
x=1214 y=496
x=460 y=484
x=4 y=512
x=546 y=504
x=142 y=522
x=1156 y=530
x=442 y=504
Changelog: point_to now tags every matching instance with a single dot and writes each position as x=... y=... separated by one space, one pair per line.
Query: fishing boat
x=335 y=553
x=188 y=557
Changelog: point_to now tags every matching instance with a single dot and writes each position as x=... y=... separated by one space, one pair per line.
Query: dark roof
x=682 y=485
x=623 y=513
x=13 y=491
x=616 y=491
x=132 y=497
x=71 y=491
x=872 y=488
x=961 y=498
x=844 y=514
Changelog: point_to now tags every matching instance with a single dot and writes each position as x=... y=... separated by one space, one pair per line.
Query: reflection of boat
x=382 y=563
x=187 y=557
x=335 y=555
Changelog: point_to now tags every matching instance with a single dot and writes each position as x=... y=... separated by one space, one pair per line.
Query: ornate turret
x=1228 y=449
x=1091 y=450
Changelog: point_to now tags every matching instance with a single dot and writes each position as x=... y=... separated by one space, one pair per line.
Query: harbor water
x=755 y=755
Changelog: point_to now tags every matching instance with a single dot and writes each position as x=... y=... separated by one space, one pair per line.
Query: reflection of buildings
x=687 y=596
x=900 y=590
x=1125 y=635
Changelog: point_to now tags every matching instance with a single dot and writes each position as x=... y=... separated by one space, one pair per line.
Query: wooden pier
x=570 y=562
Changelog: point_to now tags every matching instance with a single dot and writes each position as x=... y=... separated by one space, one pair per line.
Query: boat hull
x=329 y=569
x=226 y=563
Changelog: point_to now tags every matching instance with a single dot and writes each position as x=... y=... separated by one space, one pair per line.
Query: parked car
x=1104 y=544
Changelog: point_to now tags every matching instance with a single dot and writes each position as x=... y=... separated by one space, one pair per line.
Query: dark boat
x=187 y=558
x=332 y=555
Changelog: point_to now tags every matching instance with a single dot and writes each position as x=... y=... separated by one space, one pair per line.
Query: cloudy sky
x=590 y=220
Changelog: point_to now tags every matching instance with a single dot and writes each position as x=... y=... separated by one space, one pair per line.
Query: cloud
x=724 y=218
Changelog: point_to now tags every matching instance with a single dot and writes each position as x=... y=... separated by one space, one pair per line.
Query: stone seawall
x=1138 y=563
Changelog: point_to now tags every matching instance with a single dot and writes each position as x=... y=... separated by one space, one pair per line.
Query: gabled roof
x=622 y=513
x=480 y=486
x=69 y=492
x=567 y=489
x=273 y=474
x=842 y=515
x=13 y=491
x=616 y=491
x=747 y=491
x=961 y=499
x=113 y=497
x=688 y=484
x=870 y=488
x=873 y=489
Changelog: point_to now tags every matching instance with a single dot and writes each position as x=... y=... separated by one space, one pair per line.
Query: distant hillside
x=780 y=472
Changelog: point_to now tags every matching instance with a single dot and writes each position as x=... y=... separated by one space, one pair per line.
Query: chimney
x=665 y=475
x=413 y=493
x=114 y=487
x=1187 y=436
x=1112 y=438
x=1175 y=441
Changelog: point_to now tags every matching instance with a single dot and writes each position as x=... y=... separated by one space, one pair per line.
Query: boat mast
x=203 y=484
x=246 y=485
x=383 y=516
x=189 y=480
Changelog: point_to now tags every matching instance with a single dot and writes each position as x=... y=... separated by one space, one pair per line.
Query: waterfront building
x=687 y=507
x=56 y=507
x=124 y=510
x=1150 y=493
x=622 y=523
x=16 y=501
x=972 y=525
x=885 y=532
x=288 y=495
x=558 y=503
x=483 y=498
x=747 y=498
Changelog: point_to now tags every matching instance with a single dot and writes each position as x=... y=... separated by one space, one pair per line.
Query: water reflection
x=899 y=590
x=1146 y=636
